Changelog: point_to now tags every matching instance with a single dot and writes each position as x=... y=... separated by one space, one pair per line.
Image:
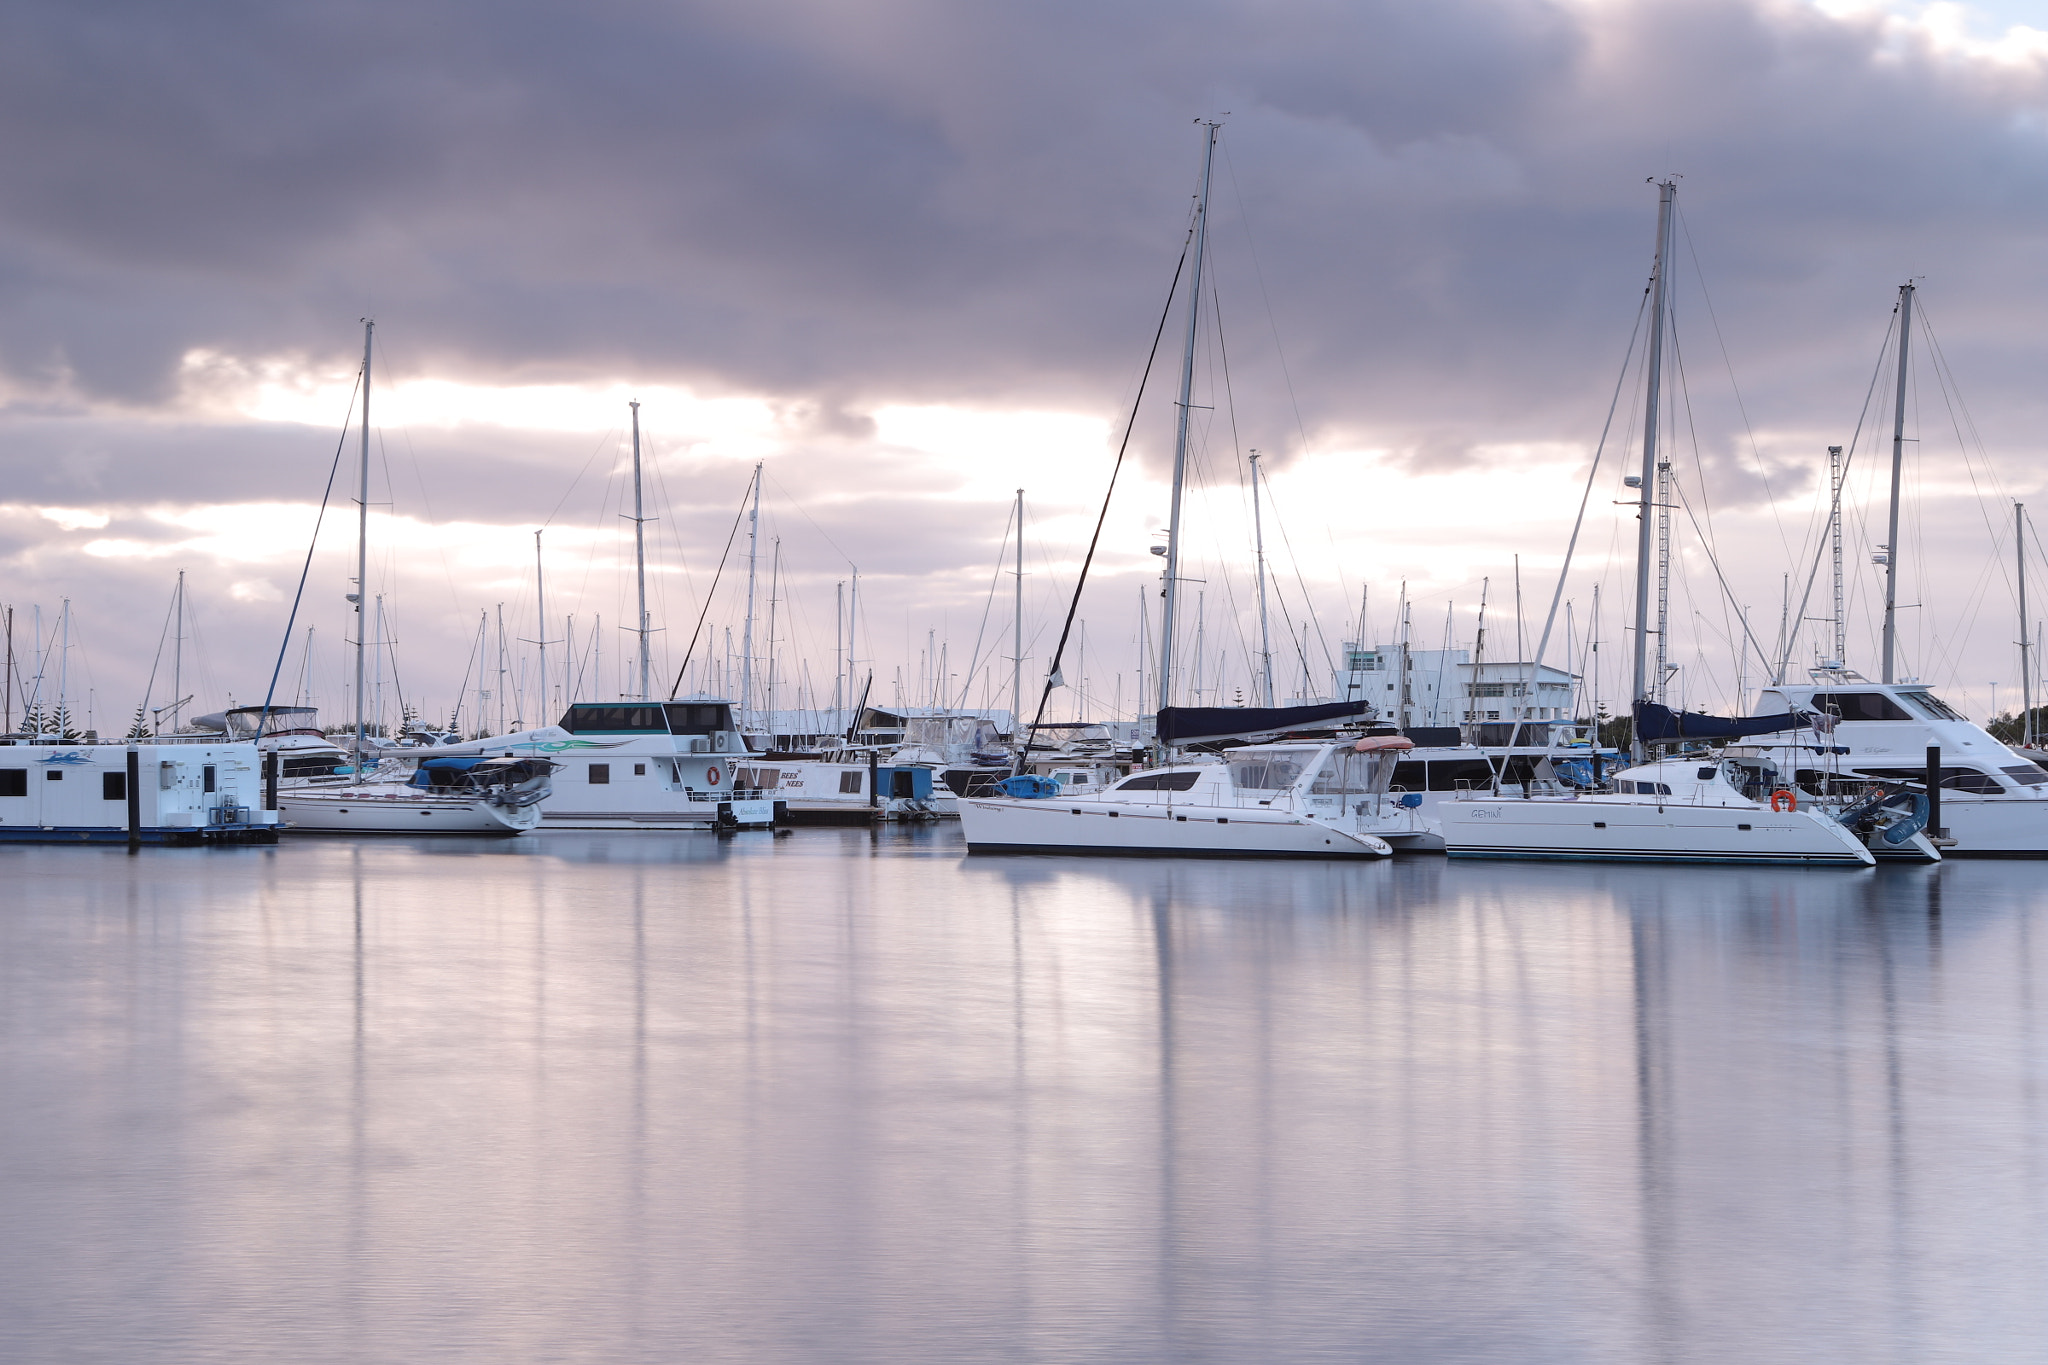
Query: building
x=1440 y=689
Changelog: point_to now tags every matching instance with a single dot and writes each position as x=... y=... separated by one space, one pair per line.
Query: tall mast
x=1259 y=544
x=639 y=552
x=1891 y=544
x=540 y=606
x=853 y=638
x=2019 y=526
x=178 y=656
x=747 y=637
x=1667 y=193
x=362 y=545
x=838 y=649
x=1180 y=435
x=1841 y=654
x=1017 y=625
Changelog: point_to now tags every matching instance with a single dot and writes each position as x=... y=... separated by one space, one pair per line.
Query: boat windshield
x=1930 y=705
x=1269 y=770
x=1345 y=773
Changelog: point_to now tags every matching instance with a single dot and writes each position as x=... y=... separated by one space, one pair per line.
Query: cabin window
x=1860 y=706
x=600 y=774
x=2027 y=774
x=53 y=774
x=1952 y=779
x=613 y=720
x=1180 y=781
x=639 y=770
x=849 y=783
x=208 y=780
x=1932 y=705
x=113 y=786
x=697 y=718
x=13 y=782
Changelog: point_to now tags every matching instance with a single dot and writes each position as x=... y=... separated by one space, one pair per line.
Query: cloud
x=836 y=237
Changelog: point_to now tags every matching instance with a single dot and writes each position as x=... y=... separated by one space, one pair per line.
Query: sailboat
x=1688 y=808
x=1990 y=800
x=476 y=794
x=1320 y=799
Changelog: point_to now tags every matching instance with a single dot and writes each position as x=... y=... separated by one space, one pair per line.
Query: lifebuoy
x=1784 y=798
x=711 y=775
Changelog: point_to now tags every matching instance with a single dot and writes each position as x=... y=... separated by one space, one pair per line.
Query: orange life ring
x=711 y=776
x=1784 y=798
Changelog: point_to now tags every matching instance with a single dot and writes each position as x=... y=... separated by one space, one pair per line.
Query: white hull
x=1612 y=831
x=1995 y=827
x=1134 y=829
x=399 y=810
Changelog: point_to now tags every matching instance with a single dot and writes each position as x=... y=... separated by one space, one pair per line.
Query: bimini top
x=1188 y=724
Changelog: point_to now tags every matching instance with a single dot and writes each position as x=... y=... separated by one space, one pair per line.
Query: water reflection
x=852 y=1096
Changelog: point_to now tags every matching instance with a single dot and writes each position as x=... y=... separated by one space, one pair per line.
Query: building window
x=113 y=786
x=1489 y=689
x=600 y=774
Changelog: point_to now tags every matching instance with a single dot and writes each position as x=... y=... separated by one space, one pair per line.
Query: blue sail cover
x=1186 y=724
x=1654 y=722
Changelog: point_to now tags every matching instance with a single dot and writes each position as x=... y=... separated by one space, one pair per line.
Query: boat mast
x=1841 y=655
x=1180 y=436
x=1891 y=544
x=639 y=551
x=178 y=656
x=1667 y=192
x=1259 y=544
x=1017 y=625
x=362 y=547
x=540 y=606
x=2019 y=526
x=747 y=636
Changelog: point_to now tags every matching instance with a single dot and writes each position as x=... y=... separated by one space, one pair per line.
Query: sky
x=910 y=258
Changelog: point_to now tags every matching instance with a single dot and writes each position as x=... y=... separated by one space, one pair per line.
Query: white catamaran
x=1319 y=799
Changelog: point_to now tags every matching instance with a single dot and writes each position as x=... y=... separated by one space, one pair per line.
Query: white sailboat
x=1322 y=800
x=476 y=795
x=1992 y=800
x=1680 y=809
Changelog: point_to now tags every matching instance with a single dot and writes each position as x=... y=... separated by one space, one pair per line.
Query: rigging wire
x=292 y=619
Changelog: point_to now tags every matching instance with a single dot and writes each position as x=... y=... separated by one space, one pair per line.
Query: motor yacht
x=1994 y=799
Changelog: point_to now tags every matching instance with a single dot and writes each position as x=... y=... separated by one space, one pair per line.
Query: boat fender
x=1783 y=799
x=1410 y=800
x=711 y=775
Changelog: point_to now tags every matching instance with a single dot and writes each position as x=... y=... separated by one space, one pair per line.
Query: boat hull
x=1135 y=830
x=349 y=812
x=1591 y=831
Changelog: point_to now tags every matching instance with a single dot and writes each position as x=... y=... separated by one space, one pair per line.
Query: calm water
x=838 y=1097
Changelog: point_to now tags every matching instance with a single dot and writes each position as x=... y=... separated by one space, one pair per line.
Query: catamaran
x=1690 y=807
x=1320 y=799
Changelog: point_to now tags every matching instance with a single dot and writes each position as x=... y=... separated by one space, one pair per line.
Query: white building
x=1419 y=689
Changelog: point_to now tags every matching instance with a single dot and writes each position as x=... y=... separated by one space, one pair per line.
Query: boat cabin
x=699 y=726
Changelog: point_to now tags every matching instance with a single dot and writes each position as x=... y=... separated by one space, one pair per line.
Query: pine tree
x=139 y=727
